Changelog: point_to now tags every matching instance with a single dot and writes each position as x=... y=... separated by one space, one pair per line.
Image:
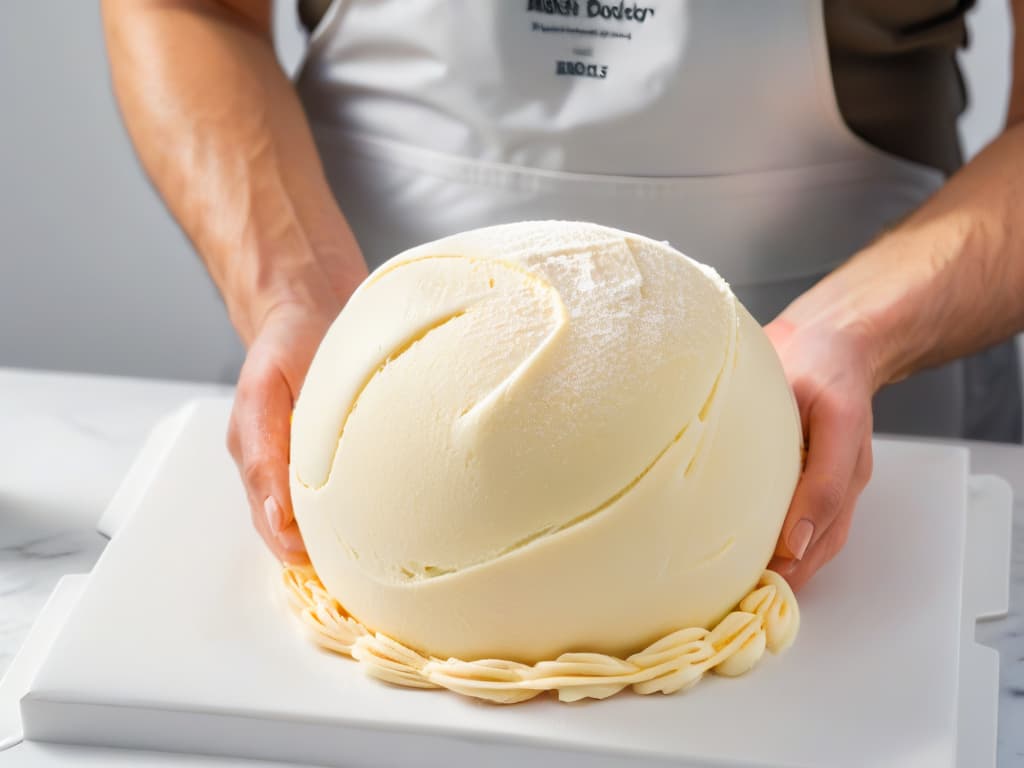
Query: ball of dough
x=542 y=437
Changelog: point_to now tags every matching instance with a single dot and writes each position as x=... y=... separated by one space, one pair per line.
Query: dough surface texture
x=541 y=439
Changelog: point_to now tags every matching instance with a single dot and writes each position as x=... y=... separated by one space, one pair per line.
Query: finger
x=865 y=463
x=294 y=549
x=261 y=428
x=834 y=443
x=798 y=572
x=823 y=551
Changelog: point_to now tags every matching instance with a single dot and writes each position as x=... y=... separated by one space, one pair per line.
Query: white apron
x=712 y=125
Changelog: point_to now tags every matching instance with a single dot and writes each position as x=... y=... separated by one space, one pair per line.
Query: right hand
x=833 y=382
x=259 y=433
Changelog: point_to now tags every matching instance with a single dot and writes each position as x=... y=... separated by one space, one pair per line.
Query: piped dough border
x=768 y=617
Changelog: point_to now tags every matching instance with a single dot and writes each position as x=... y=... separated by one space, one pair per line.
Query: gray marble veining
x=1006 y=635
x=29 y=570
x=67 y=440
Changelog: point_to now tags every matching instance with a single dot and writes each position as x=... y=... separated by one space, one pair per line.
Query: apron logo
x=563 y=7
x=595 y=9
x=633 y=13
x=581 y=69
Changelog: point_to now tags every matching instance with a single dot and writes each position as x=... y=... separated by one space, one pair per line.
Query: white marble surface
x=66 y=440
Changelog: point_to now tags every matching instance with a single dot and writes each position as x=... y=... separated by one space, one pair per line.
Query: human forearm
x=219 y=128
x=946 y=281
x=220 y=131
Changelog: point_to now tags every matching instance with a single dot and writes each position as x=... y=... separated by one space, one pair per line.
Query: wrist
x=281 y=253
x=895 y=301
x=909 y=289
x=837 y=314
x=295 y=292
x=272 y=286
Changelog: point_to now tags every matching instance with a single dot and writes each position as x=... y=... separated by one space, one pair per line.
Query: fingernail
x=273 y=512
x=800 y=538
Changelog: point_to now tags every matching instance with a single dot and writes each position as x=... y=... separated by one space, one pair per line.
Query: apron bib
x=710 y=125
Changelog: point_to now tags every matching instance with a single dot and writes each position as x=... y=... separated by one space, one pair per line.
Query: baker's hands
x=222 y=134
x=832 y=376
x=259 y=432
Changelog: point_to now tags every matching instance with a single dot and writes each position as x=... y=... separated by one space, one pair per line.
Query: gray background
x=95 y=275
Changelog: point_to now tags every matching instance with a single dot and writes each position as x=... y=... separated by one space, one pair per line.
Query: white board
x=177 y=644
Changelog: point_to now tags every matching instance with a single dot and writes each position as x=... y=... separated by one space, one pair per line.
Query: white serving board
x=18 y=677
x=177 y=644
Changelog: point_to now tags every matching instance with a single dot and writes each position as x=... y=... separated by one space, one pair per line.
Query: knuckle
x=840 y=407
x=232 y=440
x=252 y=468
x=844 y=410
x=841 y=539
x=862 y=470
x=865 y=467
x=826 y=497
x=868 y=457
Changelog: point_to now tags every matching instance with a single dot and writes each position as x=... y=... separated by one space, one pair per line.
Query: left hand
x=830 y=373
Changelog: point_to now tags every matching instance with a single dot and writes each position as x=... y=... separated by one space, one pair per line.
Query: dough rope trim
x=767 y=618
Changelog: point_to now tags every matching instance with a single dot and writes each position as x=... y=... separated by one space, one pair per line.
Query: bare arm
x=219 y=128
x=947 y=281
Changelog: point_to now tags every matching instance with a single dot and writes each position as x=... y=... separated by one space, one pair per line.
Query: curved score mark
x=422 y=333
x=701 y=425
x=392 y=357
x=431 y=572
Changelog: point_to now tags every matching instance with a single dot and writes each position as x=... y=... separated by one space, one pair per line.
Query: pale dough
x=541 y=438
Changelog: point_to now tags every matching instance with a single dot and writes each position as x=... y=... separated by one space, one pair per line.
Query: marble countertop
x=68 y=439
